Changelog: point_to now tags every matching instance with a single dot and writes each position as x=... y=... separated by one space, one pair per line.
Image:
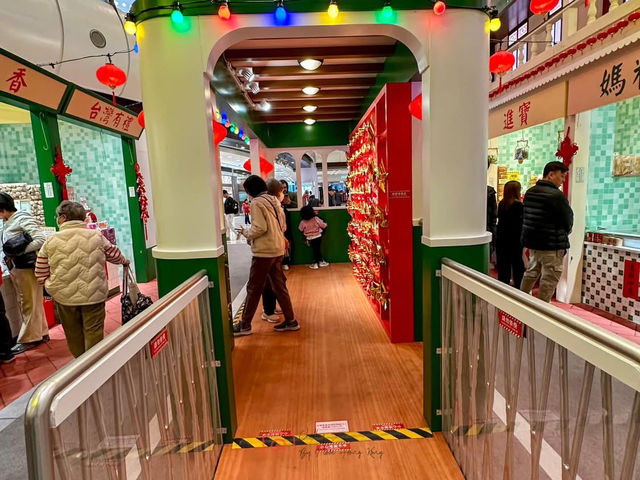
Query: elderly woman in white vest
x=71 y=265
x=21 y=239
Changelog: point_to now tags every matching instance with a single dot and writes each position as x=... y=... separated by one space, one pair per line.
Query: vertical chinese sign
x=631 y=280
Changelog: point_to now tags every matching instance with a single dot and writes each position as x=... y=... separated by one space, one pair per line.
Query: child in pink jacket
x=311 y=227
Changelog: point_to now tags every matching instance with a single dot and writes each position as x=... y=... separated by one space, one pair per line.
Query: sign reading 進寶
x=615 y=78
x=543 y=106
x=510 y=324
x=29 y=84
x=102 y=113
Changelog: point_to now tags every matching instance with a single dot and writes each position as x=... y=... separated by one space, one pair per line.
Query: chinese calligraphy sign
x=26 y=82
x=611 y=82
x=17 y=80
x=510 y=324
x=508 y=120
x=524 y=112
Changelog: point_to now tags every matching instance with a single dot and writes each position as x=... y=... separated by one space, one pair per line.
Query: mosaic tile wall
x=543 y=144
x=613 y=203
x=603 y=273
x=18 y=162
x=98 y=175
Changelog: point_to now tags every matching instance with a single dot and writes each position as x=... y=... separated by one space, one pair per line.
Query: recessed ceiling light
x=310 y=90
x=309 y=121
x=310 y=108
x=310 y=63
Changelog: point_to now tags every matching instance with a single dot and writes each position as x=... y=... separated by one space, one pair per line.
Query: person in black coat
x=547 y=222
x=508 y=243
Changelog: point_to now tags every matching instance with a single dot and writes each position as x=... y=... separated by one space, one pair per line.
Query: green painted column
x=144 y=272
x=46 y=137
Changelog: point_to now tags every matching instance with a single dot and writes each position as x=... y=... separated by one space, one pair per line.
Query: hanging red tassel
x=142 y=200
x=500 y=86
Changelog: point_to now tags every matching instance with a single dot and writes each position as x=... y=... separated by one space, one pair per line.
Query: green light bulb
x=387 y=12
x=176 y=16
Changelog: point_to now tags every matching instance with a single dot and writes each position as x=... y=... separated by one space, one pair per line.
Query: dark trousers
x=509 y=262
x=268 y=300
x=315 y=248
x=265 y=270
x=247 y=220
x=288 y=255
x=6 y=337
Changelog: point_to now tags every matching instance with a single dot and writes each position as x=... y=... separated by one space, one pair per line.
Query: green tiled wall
x=18 y=162
x=613 y=202
x=543 y=145
x=98 y=174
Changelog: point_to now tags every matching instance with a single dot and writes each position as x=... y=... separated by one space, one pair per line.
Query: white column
x=455 y=131
x=570 y=285
x=613 y=5
x=547 y=37
x=569 y=22
x=182 y=156
x=254 y=155
x=297 y=156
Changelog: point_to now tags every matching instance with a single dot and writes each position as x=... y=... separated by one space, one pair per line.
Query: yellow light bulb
x=495 y=24
x=130 y=27
x=333 y=11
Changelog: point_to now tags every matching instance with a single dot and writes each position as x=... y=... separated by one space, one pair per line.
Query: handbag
x=133 y=301
x=14 y=249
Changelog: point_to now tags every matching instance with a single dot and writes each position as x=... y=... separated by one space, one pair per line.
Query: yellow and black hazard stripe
x=236 y=317
x=479 y=429
x=332 y=438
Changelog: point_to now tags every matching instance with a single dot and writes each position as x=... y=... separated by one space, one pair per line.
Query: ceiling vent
x=246 y=74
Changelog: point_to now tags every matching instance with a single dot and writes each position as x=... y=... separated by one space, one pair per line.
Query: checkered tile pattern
x=602 y=276
x=18 y=162
x=612 y=202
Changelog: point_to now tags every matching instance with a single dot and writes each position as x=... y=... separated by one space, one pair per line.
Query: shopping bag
x=133 y=301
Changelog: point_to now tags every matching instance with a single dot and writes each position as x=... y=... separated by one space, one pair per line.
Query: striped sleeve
x=42 y=266
x=112 y=253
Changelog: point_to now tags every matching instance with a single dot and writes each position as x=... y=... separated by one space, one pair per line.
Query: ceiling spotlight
x=310 y=90
x=333 y=11
x=253 y=87
x=264 y=106
x=246 y=73
x=310 y=63
x=309 y=121
x=310 y=108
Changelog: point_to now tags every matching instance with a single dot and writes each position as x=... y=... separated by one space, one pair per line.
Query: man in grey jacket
x=34 y=329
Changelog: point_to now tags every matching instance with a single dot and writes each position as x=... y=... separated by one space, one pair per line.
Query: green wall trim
x=335 y=240
x=151 y=265
x=46 y=137
x=279 y=135
x=474 y=256
x=137 y=226
x=172 y=273
x=417 y=283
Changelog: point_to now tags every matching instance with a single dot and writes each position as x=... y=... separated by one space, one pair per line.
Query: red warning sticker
x=333 y=447
x=387 y=426
x=274 y=433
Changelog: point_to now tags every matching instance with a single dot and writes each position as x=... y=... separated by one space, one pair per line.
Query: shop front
x=58 y=141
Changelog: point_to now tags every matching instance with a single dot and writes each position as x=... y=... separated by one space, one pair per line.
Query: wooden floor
x=339 y=366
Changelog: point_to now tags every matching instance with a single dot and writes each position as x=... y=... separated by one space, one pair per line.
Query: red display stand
x=379 y=183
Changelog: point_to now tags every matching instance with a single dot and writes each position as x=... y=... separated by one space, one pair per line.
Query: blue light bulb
x=281 y=15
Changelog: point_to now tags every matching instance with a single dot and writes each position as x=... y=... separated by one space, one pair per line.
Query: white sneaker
x=285 y=267
x=270 y=318
x=313 y=266
x=323 y=264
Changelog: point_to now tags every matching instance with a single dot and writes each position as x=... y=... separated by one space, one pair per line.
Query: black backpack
x=234 y=205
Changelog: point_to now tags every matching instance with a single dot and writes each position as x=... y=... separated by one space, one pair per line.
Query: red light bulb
x=224 y=12
x=439 y=7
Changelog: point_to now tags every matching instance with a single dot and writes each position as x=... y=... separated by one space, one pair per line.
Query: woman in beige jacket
x=267 y=246
x=71 y=264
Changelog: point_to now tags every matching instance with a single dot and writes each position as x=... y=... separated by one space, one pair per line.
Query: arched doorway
x=449 y=50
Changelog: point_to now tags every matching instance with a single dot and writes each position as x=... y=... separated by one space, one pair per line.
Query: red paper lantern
x=415 y=107
x=571 y=51
x=591 y=40
x=634 y=17
x=581 y=46
x=622 y=24
x=540 y=7
x=500 y=63
x=141 y=118
x=111 y=76
x=612 y=30
x=265 y=166
x=219 y=132
x=247 y=165
x=602 y=35
x=439 y=7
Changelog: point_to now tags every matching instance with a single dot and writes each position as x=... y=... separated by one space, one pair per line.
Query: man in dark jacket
x=548 y=220
x=492 y=215
x=230 y=211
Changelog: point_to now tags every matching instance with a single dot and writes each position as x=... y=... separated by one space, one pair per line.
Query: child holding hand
x=312 y=227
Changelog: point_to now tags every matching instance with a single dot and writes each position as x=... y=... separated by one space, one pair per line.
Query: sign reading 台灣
x=510 y=324
x=30 y=84
x=541 y=107
x=101 y=113
x=615 y=78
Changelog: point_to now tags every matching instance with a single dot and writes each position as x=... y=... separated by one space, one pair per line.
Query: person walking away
x=266 y=236
x=547 y=222
x=508 y=239
x=289 y=201
x=230 y=211
x=311 y=227
x=492 y=218
x=21 y=239
x=71 y=265
x=246 y=208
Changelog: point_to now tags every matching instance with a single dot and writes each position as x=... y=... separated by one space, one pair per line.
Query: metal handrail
x=36 y=419
x=597 y=334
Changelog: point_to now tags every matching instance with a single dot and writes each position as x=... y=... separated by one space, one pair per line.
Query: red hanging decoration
x=415 y=107
x=141 y=118
x=634 y=17
x=219 y=132
x=142 y=199
x=247 y=165
x=567 y=151
x=60 y=170
x=265 y=166
x=500 y=63
x=112 y=77
x=540 y=7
